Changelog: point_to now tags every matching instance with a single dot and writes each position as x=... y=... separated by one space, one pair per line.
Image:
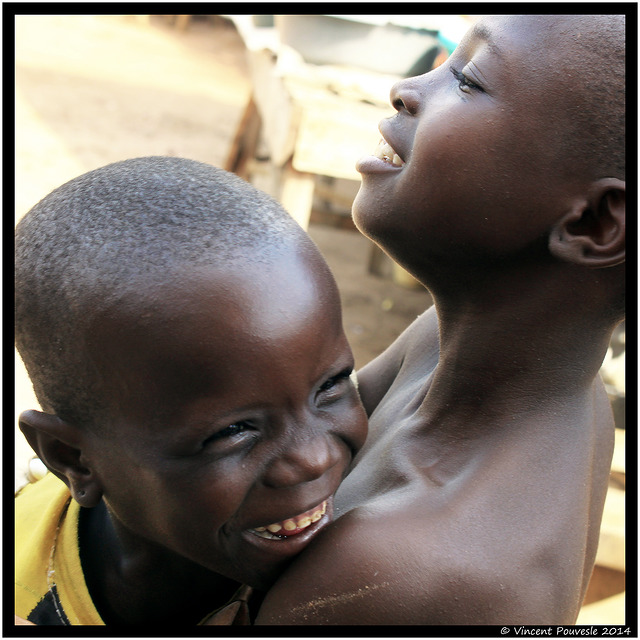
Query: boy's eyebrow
x=482 y=32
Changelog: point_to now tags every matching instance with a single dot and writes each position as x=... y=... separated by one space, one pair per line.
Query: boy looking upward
x=184 y=339
x=500 y=185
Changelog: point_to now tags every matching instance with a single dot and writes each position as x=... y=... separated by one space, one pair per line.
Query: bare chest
x=385 y=464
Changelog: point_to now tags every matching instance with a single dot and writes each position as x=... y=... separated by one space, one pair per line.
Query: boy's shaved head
x=591 y=49
x=105 y=235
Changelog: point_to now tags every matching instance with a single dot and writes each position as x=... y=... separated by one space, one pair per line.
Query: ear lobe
x=59 y=446
x=593 y=232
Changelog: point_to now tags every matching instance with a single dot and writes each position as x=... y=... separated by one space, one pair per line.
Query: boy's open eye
x=464 y=83
x=334 y=383
x=232 y=430
x=235 y=429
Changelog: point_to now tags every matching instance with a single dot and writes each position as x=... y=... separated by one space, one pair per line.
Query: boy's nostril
x=406 y=100
x=302 y=464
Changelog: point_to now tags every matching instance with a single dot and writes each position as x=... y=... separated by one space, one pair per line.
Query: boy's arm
x=376 y=377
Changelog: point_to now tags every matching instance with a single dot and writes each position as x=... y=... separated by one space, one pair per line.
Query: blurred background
x=286 y=102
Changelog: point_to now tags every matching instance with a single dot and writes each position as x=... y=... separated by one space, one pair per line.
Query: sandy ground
x=96 y=89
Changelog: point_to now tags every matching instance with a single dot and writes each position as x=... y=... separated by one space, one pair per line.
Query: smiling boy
x=500 y=185
x=185 y=342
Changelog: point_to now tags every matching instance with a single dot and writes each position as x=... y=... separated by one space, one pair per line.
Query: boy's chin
x=363 y=218
x=375 y=227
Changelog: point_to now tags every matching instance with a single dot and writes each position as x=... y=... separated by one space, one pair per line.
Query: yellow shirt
x=50 y=584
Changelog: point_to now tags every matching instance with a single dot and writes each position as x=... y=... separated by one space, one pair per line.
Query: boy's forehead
x=509 y=41
x=564 y=31
x=200 y=317
x=544 y=58
x=292 y=277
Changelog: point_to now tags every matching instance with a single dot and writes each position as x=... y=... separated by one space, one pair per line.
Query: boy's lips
x=266 y=551
x=291 y=526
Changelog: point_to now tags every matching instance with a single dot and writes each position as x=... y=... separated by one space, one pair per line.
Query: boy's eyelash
x=231 y=430
x=332 y=381
x=241 y=426
x=463 y=81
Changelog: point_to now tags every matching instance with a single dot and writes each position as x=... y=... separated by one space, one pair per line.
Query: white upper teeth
x=386 y=152
x=299 y=522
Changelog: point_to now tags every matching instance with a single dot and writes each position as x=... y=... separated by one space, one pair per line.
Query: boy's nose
x=406 y=96
x=302 y=461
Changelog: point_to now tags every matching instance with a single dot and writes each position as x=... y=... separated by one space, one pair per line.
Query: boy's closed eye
x=464 y=83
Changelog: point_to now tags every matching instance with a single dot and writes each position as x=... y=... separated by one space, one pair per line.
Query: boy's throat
x=171 y=590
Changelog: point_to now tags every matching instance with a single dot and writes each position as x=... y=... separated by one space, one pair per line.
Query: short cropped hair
x=90 y=238
x=595 y=133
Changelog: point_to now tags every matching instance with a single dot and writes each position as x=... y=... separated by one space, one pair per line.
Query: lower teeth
x=268 y=535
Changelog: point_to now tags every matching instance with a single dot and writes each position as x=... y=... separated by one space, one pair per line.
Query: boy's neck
x=532 y=336
x=133 y=583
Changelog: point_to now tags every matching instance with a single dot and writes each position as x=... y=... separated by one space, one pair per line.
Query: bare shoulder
x=348 y=576
x=368 y=570
x=418 y=339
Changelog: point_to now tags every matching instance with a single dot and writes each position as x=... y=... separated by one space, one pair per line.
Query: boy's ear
x=59 y=445
x=593 y=232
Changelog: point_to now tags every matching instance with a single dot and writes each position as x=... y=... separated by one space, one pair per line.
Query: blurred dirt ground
x=91 y=90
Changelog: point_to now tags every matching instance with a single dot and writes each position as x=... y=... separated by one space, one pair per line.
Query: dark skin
x=232 y=409
x=478 y=495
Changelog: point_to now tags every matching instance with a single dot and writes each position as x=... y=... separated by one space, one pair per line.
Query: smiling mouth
x=384 y=151
x=291 y=526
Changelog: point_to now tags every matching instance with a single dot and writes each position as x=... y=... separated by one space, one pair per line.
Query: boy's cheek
x=360 y=426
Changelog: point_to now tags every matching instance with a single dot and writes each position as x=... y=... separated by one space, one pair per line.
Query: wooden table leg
x=297 y=194
x=245 y=142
